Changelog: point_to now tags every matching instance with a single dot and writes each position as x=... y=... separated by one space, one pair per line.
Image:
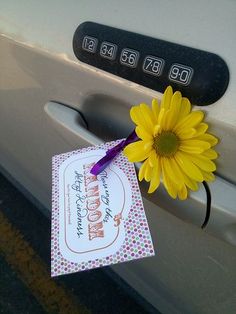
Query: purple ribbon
x=112 y=153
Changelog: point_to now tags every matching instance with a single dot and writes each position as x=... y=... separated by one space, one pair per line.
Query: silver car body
x=43 y=87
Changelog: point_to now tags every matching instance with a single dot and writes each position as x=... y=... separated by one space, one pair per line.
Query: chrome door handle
x=66 y=118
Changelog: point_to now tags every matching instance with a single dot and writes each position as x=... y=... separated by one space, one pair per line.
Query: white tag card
x=97 y=220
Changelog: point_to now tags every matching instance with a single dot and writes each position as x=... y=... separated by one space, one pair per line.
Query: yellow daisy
x=173 y=144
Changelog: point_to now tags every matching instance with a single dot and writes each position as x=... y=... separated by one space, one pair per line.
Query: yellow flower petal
x=138 y=151
x=152 y=159
x=143 y=134
x=161 y=119
x=148 y=172
x=190 y=121
x=166 y=99
x=147 y=114
x=183 y=193
x=142 y=170
x=194 y=146
x=201 y=129
x=191 y=150
x=155 y=177
x=138 y=118
x=156 y=130
x=208 y=176
x=155 y=109
x=188 y=166
x=184 y=109
x=148 y=145
x=210 y=153
x=171 y=189
x=189 y=182
x=203 y=162
x=208 y=138
x=173 y=113
x=196 y=142
x=186 y=133
x=174 y=175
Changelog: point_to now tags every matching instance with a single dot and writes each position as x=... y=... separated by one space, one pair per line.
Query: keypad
x=153 y=65
x=199 y=75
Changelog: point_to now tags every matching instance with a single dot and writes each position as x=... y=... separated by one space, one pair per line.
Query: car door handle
x=72 y=127
x=70 y=123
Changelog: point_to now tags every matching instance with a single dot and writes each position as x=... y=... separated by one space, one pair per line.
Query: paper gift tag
x=96 y=220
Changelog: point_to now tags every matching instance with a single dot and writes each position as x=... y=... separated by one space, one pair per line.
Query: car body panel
x=193 y=270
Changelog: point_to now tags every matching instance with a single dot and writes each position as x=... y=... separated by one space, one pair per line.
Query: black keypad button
x=129 y=57
x=153 y=65
x=181 y=74
x=90 y=44
x=108 y=50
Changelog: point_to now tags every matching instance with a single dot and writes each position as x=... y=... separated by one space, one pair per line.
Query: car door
x=52 y=102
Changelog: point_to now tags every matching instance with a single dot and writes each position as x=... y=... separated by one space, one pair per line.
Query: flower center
x=166 y=144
